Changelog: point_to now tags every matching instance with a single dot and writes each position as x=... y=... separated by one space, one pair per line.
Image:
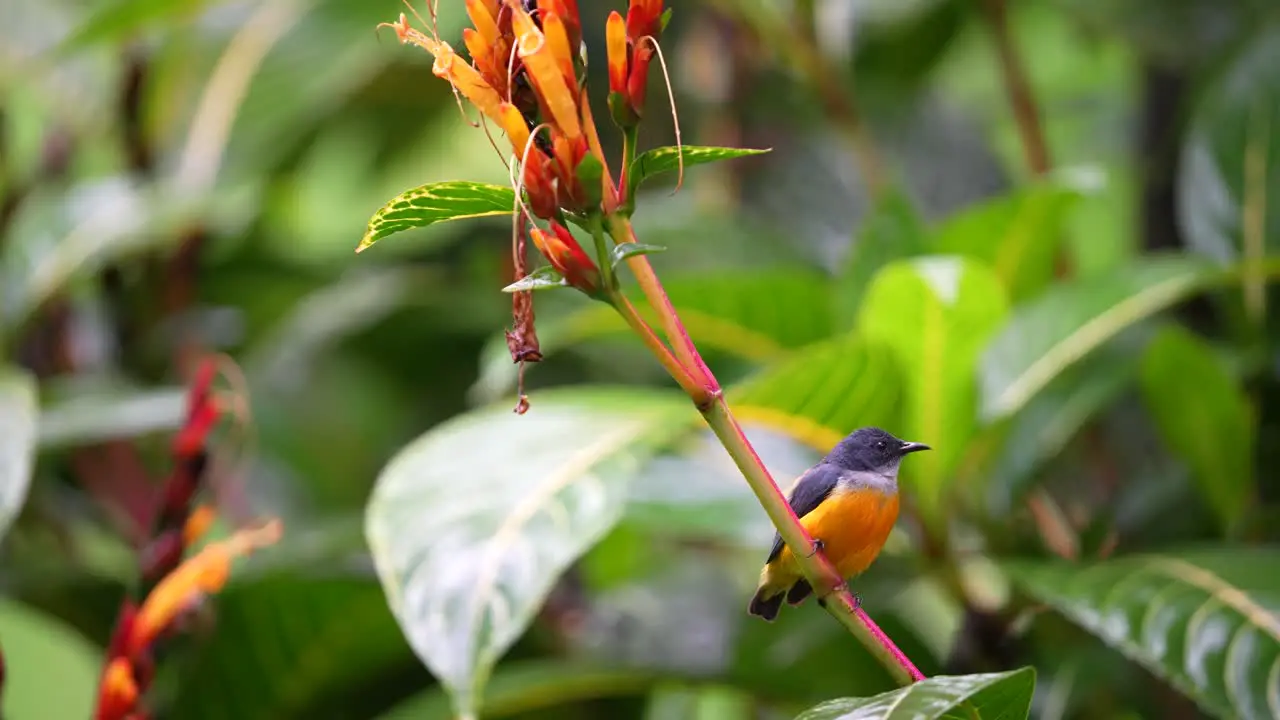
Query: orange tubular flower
x=118 y=694
x=198 y=576
x=567 y=257
x=567 y=10
x=615 y=34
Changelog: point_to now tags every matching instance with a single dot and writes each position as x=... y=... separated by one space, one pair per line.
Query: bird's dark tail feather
x=765 y=605
x=798 y=592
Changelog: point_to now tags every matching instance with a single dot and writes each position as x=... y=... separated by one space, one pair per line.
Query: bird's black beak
x=910 y=447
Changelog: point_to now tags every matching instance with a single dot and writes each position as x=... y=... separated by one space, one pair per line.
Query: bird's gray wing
x=811 y=489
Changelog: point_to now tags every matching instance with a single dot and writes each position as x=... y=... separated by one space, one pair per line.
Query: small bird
x=848 y=503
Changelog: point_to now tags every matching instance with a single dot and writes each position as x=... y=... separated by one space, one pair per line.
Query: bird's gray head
x=871 y=449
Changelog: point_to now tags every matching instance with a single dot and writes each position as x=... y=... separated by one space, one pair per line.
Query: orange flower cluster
x=527 y=76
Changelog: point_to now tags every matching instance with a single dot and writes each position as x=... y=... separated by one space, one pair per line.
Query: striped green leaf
x=1207 y=621
x=434 y=203
x=667 y=159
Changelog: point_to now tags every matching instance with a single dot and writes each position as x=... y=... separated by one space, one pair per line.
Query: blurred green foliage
x=1090 y=348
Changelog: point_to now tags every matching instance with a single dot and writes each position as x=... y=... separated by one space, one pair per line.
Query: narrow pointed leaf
x=992 y=696
x=936 y=313
x=1204 y=417
x=627 y=250
x=471 y=524
x=1206 y=621
x=434 y=203
x=18 y=418
x=1070 y=320
x=667 y=159
x=543 y=278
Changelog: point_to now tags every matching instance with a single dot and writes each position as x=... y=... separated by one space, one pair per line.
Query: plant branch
x=1018 y=87
x=829 y=587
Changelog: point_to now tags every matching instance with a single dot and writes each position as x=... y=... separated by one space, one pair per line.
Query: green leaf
x=534 y=685
x=1018 y=234
x=1041 y=430
x=91 y=417
x=1070 y=320
x=667 y=159
x=756 y=316
x=434 y=203
x=1204 y=417
x=290 y=644
x=893 y=231
x=1229 y=176
x=992 y=696
x=823 y=392
x=1205 y=621
x=471 y=524
x=543 y=278
x=627 y=250
x=18 y=413
x=51 y=671
x=936 y=313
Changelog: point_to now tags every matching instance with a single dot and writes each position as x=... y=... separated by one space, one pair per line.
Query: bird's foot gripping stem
x=842 y=587
x=818 y=546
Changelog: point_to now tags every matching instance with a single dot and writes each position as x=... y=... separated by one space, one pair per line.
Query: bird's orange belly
x=852 y=525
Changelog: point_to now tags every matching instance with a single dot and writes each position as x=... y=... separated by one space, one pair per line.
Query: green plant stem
x=829 y=587
x=630 y=137
x=622 y=232
x=1017 y=87
x=603 y=256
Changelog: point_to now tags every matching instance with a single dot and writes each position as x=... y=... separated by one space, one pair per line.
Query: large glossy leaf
x=668 y=159
x=1203 y=416
x=1070 y=320
x=18 y=417
x=892 y=231
x=1002 y=696
x=471 y=524
x=1207 y=621
x=756 y=316
x=824 y=391
x=1018 y=234
x=936 y=313
x=438 y=202
x=1229 y=177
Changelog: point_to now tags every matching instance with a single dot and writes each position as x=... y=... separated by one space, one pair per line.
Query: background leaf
x=472 y=523
x=667 y=159
x=1018 y=234
x=936 y=313
x=18 y=413
x=995 y=695
x=823 y=392
x=1065 y=324
x=437 y=202
x=1204 y=417
x=34 y=645
x=892 y=231
x=1207 y=621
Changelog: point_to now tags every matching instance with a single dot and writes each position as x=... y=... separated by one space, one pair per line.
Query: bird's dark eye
x=880 y=445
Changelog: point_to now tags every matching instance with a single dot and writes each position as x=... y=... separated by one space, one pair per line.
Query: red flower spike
x=118 y=693
x=568 y=258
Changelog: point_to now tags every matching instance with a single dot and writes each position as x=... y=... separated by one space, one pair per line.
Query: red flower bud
x=568 y=258
x=644 y=18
